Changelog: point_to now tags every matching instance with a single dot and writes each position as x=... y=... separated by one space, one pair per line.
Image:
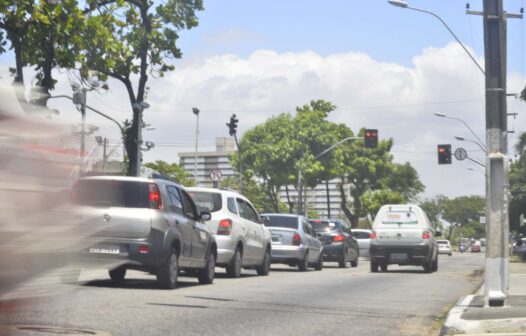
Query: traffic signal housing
x=232 y=125
x=371 y=138
x=444 y=154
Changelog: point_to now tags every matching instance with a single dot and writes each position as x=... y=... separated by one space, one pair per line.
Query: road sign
x=461 y=154
x=215 y=175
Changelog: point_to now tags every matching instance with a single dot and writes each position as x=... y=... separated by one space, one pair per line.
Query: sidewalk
x=469 y=317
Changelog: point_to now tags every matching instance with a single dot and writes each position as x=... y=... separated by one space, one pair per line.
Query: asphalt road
x=402 y=301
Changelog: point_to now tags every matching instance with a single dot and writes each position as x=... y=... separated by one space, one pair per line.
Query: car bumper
x=444 y=251
x=225 y=249
x=401 y=255
x=333 y=252
x=285 y=253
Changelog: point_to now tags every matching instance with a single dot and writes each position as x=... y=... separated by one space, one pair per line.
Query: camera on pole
x=232 y=125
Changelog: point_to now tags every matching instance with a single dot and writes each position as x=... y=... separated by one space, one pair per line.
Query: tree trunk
x=344 y=207
x=289 y=202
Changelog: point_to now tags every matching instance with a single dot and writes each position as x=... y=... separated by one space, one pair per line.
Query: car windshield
x=127 y=194
x=282 y=221
x=209 y=201
x=400 y=217
x=323 y=226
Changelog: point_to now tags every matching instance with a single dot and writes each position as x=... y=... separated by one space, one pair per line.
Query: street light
x=196 y=111
x=403 y=4
x=459 y=138
x=480 y=142
x=476 y=170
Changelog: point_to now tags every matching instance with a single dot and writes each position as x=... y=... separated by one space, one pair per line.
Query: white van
x=403 y=235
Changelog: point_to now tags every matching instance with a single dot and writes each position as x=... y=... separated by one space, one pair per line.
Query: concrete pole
x=497 y=226
x=139 y=142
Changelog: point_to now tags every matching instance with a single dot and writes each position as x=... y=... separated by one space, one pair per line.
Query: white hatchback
x=242 y=240
x=444 y=247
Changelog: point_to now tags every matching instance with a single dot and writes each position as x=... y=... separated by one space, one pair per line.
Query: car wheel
x=169 y=270
x=344 y=259
x=69 y=275
x=354 y=263
x=233 y=269
x=304 y=263
x=206 y=275
x=374 y=266
x=383 y=267
x=319 y=265
x=428 y=266
x=117 y=274
x=435 y=264
x=450 y=254
x=264 y=268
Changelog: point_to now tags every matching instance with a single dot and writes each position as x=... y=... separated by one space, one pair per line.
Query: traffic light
x=232 y=125
x=444 y=154
x=371 y=138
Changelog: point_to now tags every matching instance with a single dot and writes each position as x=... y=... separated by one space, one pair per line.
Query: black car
x=338 y=242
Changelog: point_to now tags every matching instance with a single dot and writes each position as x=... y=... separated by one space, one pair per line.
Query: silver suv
x=403 y=235
x=151 y=225
x=242 y=240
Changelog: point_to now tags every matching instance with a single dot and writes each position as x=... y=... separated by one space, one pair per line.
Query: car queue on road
x=162 y=228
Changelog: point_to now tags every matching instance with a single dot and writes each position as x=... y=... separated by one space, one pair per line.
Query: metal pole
x=83 y=124
x=104 y=158
x=497 y=226
x=196 y=145
x=240 y=165
x=139 y=142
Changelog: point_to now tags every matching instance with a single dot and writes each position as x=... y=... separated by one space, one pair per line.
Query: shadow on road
x=136 y=284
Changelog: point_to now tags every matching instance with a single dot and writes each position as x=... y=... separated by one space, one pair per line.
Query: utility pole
x=195 y=111
x=79 y=98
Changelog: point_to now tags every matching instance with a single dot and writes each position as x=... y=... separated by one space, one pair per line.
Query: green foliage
x=172 y=170
x=373 y=200
x=462 y=211
x=404 y=179
x=433 y=208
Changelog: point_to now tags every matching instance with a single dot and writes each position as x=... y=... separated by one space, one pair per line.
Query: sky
x=383 y=67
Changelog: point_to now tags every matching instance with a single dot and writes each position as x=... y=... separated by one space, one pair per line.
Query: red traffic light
x=371 y=138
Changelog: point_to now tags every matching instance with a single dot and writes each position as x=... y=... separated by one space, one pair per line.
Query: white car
x=242 y=240
x=363 y=236
x=444 y=247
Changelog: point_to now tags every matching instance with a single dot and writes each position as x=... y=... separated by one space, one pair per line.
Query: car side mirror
x=265 y=220
x=205 y=216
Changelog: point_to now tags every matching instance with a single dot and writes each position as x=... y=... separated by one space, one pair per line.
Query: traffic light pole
x=240 y=165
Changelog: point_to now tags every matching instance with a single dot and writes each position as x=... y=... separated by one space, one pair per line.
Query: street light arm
x=476 y=161
x=336 y=145
x=452 y=33
x=480 y=142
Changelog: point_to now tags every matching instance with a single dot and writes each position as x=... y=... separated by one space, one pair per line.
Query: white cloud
x=398 y=100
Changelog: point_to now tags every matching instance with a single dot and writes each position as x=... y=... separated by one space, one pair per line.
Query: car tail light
x=372 y=235
x=155 y=197
x=426 y=235
x=224 y=228
x=143 y=249
x=296 y=239
x=338 y=238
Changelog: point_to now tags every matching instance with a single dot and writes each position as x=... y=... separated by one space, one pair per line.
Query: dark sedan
x=338 y=242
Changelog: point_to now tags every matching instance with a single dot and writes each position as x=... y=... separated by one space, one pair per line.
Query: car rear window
x=127 y=194
x=283 y=221
x=323 y=226
x=361 y=235
x=209 y=201
x=442 y=242
x=400 y=217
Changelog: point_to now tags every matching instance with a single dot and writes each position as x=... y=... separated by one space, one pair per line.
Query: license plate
x=398 y=256
x=104 y=250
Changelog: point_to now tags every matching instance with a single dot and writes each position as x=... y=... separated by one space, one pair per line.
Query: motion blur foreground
x=39 y=231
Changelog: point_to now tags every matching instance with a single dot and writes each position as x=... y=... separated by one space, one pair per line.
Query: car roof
x=280 y=214
x=127 y=178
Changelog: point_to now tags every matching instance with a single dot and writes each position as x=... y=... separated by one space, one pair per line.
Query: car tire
x=354 y=263
x=435 y=264
x=319 y=265
x=450 y=254
x=344 y=259
x=168 y=271
x=374 y=267
x=233 y=269
x=264 y=268
x=383 y=267
x=303 y=265
x=206 y=275
x=117 y=274
x=69 y=275
x=428 y=266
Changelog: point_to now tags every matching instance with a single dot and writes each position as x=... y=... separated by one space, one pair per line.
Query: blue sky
x=384 y=32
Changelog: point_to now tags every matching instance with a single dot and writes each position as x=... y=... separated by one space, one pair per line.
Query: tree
x=404 y=179
x=172 y=170
x=433 y=208
x=255 y=192
x=461 y=211
x=373 y=200
x=130 y=40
